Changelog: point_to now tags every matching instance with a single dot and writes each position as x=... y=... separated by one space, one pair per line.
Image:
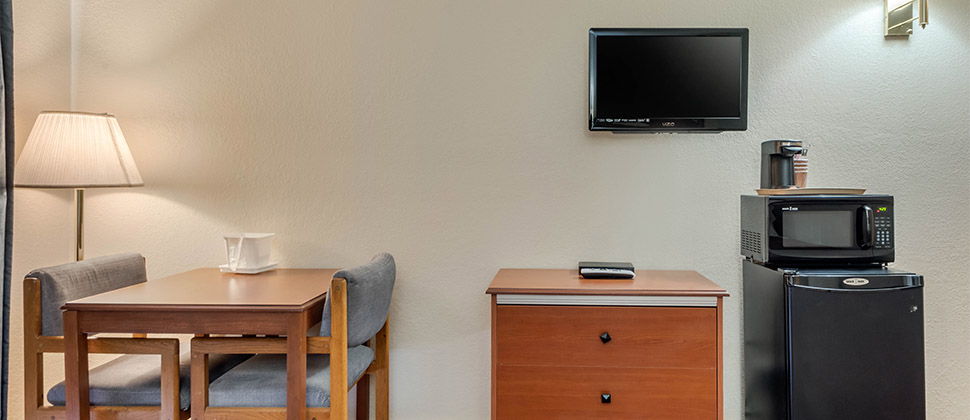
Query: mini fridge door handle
x=829 y=289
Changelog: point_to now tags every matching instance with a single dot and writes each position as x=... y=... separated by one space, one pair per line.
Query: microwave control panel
x=884 y=229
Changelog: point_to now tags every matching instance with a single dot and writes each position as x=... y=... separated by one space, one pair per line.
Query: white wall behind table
x=453 y=135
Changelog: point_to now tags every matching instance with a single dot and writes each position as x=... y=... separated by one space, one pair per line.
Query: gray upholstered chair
x=127 y=387
x=339 y=358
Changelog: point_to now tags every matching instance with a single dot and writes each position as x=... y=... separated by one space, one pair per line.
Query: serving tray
x=811 y=191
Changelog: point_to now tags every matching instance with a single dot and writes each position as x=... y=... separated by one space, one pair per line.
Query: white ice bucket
x=248 y=250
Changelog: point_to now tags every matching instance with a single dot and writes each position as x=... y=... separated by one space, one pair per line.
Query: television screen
x=668 y=79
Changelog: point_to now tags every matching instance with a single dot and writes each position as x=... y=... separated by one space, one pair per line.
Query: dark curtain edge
x=6 y=45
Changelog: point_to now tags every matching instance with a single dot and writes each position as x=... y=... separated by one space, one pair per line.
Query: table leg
x=170 y=386
x=76 y=369
x=199 y=381
x=296 y=367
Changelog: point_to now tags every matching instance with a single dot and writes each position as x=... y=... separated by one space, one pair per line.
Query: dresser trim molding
x=606 y=300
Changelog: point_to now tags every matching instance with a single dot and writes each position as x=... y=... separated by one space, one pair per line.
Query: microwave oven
x=818 y=229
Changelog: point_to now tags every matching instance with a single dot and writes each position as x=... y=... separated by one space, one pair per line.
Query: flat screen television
x=668 y=79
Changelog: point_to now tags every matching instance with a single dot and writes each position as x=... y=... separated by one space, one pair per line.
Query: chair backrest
x=369 y=289
x=76 y=280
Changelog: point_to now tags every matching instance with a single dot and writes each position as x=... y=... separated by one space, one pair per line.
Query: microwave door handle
x=868 y=228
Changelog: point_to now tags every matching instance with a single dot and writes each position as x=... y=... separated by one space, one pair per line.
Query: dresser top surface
x=569 y=282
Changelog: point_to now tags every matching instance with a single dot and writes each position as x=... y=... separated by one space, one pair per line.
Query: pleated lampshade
x=76 y=150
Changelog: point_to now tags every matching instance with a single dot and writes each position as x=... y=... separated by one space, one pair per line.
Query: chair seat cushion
x=136 y=380
x=261 y=380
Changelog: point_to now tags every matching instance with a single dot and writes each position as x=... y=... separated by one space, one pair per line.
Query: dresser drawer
x=548 y=392
x=638 y=336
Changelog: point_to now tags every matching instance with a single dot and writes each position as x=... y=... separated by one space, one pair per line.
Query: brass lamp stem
x=924 y=13
x=79 y=225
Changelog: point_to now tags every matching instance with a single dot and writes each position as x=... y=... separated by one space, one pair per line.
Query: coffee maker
x=778 y=162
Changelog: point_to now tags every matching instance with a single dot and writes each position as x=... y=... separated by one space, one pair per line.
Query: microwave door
x=818 y=230
x=821 y=232
x=821 y=228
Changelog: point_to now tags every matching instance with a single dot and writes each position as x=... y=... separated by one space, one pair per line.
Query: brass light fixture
x=900 y=15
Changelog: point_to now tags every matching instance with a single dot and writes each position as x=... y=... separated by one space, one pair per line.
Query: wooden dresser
x=564 y=347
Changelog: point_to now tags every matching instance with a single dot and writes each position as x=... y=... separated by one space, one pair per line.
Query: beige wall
x=452 y=134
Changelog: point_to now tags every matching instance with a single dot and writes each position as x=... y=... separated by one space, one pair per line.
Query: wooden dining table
x=202 y=301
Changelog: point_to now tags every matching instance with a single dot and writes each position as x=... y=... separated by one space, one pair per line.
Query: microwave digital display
x=819 y=229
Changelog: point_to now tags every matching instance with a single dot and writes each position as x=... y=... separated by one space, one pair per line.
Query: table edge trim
x=122 y=307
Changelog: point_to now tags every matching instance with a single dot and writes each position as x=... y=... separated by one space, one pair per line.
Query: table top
x=569 y=282
x=209 y=289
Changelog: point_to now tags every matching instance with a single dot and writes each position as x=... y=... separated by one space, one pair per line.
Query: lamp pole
x=79 y=225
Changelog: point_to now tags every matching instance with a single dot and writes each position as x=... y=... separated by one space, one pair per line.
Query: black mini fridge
x=833 y=343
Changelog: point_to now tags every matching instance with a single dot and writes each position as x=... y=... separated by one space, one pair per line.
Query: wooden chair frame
x=335 y=345
x=36 y=344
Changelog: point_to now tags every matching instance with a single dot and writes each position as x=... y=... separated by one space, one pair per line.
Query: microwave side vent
x=750 y=242
x=753 y=226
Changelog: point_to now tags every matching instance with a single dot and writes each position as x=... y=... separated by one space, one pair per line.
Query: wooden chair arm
x=263 y=345
x=115 y=345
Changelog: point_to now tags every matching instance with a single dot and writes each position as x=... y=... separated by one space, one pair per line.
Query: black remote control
x=606 y=270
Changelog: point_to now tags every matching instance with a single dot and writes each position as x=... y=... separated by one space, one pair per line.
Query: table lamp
x=76 y=150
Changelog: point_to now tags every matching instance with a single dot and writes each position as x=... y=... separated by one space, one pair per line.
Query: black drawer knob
x=606 y=398
x=605 y=337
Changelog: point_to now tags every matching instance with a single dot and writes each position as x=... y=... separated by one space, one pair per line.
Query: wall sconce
x=900 y=16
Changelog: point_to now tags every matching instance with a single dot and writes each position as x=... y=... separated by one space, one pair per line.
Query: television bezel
x=671 y=125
